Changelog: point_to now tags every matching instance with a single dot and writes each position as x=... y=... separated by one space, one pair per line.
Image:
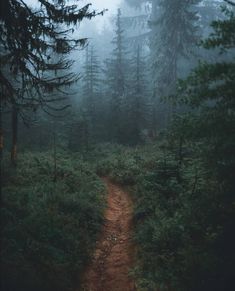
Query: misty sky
x=111 y=5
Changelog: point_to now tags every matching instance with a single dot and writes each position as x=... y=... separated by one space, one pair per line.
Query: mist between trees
x=147 y=101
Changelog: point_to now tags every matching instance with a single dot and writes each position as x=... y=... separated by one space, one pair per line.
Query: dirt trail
x=113 y=257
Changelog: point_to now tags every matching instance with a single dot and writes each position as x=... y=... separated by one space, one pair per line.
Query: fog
x=117 y=145
x=97 y=5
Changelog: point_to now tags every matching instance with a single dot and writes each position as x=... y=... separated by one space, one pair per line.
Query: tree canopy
x=28 y=38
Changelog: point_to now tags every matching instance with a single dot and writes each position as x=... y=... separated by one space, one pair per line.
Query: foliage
x=185 y=206
x=116 y=79
x=124 y=164
x=184 y=203
x=28 y=38
x=183 y=219
x=49 y=228
x=182 y=185
x=173 y=37
x=179 y=228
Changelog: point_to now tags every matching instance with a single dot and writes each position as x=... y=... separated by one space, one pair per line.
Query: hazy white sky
x=99 y=5
x=111 y=5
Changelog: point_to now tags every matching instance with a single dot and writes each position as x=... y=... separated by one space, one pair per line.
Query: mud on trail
x=113 y=257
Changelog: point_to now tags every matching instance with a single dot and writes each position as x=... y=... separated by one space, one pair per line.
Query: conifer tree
x=209 y=126
x=137 y=99
x=178 y=34
x=116 y=69
x=210 y=90
x=28 y=38
x=91 y=87
x=174 y=33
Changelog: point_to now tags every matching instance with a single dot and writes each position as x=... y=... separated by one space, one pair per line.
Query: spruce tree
x=91 y=87
x=137 y=99
x=174 y=34
x=209 y=126
x=178 y=34
x=116 y=68
x=28 y=38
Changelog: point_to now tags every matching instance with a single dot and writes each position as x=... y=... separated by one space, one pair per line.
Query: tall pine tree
x=137 y=99
x=92 y=90
x=174 y=34
x=116 y=69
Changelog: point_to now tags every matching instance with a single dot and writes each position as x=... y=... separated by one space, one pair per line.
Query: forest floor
x=114 y=254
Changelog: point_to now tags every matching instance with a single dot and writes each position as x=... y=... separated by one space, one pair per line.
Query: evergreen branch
x=230 y=2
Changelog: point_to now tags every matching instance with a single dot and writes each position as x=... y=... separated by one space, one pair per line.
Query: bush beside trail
x=50 y=221
x=183 y=217
x=183 y=220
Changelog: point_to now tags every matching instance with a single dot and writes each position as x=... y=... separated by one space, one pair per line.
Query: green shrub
x=183 y=216
x=49 y=228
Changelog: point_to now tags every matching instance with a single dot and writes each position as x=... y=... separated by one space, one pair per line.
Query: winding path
x=113 y=258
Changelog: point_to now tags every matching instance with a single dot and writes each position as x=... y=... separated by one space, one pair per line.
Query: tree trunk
x=54 y=154
x=180 y=152
x=1 y=152
x=14 y=135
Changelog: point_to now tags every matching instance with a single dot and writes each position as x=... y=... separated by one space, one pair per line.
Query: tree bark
x=54 y=154
x=1 y=152
x=14 y=135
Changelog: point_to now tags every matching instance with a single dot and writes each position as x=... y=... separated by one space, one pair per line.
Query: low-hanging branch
x=28 y=39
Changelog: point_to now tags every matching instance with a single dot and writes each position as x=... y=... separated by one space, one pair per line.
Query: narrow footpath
x=113 y=257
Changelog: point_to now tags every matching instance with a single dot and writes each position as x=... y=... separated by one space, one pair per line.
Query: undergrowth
x=51 y=219
x=183 y=217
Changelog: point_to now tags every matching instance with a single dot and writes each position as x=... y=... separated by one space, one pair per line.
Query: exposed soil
x=113 y=258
